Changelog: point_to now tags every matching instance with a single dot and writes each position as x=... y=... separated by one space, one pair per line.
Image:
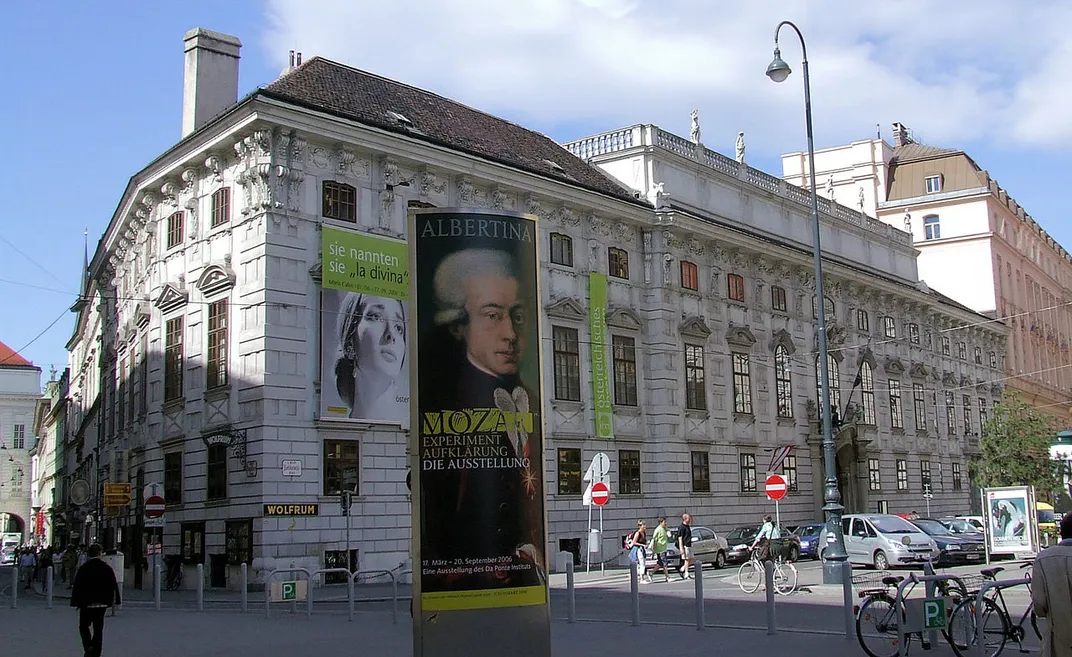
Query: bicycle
x=751 y=574
x=173 y=577
x=880 y=610
x=997 y=622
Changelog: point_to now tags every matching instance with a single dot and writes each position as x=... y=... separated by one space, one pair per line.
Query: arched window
x=835 y=382
x=867 y=392
x=783 y=380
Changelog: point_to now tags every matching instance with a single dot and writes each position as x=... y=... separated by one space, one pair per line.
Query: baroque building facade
x=20 y=389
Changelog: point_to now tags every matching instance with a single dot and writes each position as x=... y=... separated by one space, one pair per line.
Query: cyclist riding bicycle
x=767 y=533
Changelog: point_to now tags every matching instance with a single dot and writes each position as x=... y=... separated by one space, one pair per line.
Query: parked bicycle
x=998 y=627
x=173 y=576
x=879 y=617
x=751 y=575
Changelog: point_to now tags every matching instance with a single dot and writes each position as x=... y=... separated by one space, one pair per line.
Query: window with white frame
x=783 y=379
x=896 y=415
x=933 y=183
x=867 y=392
x=932 y=228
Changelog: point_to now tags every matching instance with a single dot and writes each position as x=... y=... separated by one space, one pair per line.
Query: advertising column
x=601 y=400
x=480 y=587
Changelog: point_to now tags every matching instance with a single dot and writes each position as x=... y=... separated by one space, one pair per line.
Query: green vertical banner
x=597 y=296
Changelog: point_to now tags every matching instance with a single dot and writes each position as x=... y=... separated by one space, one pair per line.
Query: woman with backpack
x=638 y=550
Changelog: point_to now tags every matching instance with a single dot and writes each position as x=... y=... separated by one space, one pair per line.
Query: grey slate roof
x=349 y=93
x=913 y=151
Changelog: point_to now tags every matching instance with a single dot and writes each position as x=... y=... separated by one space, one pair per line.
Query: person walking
x=660 y=543
x=684 y=544
x=638 y=550
x=95 y=589
x=1051 y=591
x=27 y=566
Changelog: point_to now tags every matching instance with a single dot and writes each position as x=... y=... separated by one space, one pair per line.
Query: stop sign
x=600 y=493
x=154 y=506
x=776 y=487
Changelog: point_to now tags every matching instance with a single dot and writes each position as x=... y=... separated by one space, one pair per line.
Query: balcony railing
x=649 y=135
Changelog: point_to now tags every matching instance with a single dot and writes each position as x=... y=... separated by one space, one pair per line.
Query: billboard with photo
x=364 y=305
x=479 y=525
x=1010 y=519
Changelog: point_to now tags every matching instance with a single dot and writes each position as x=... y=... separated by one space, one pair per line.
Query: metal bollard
x=243 y=573
x=48 y=588
x=846 y=589
x=15 y=587
x=768 y=572
x=571 y=592
x=157 y=571
x=932 y=636
x=634 y=591
x=701 y=622
x=309 y=599
x=200 y=587
x=350 y=594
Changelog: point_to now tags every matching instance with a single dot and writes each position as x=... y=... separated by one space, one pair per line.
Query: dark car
x=955 y=548
x=740 y=540
x=810 y=536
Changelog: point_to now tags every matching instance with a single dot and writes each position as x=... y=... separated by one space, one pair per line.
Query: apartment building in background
x=976 y=245
x=20 y=390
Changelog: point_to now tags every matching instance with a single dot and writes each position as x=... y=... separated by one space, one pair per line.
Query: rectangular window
x=216 y=370
x=18 y=436
x=777 y=299
x=174 y=229
x=896 y=416
x=913 y=333
x=958 y=484
x=339 y=201
x=783 y=381
x=889 y=327
x=625 y=374
x=193 y=542
x=789 y=471
x=925 y=475
x=695 y=381
x=238 y=541
x=933 y=183
x=919 y=404
x=735 y=287
x=629 y=476
x=932 y=228
x=742 y=384
x=618 y=263
x=984 y=415
x=945 y=345
x=748 y=472
x=569 y=471
x=978 y=356
x=342 y=466
x=962 y=351
x=701 y=472
x=902 y=474
x=863 y=322
x=966 y=399
x=690 y=277
x=216 y=473
x=121 y=397
x=874 y=474
x=567 y=363
x=173 y=478
x=173 y=359
x=221 y=206
x=561 y=249
x=143 y=375
x=993 y=359
x=950 y=413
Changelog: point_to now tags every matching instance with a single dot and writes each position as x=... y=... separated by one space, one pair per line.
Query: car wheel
x=881 y=562
x=794 y=554
x=720 y=560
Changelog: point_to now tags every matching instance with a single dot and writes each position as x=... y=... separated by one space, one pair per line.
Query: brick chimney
x=900 y=135
x=210 y=82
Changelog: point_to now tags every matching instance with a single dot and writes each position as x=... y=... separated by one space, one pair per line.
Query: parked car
x=810 y=536
x=955 y=548
x=706 y=544
x=961 y=526
x=740 y=540
x=882 y=540
x=975 y=520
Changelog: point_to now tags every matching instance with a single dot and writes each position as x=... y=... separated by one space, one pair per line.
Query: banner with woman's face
x=364 y=373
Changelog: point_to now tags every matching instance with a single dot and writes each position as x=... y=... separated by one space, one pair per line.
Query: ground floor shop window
x=239 y=541
x=193 y=542
x=337 y=559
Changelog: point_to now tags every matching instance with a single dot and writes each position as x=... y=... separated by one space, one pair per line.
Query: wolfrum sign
x=479 y=526
x=291 y=509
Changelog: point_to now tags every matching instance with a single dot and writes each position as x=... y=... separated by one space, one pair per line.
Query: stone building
x=20 y=388
x=49 y=493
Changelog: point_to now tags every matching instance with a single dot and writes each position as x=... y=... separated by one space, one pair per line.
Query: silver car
x=706 y=545
x=882 y=540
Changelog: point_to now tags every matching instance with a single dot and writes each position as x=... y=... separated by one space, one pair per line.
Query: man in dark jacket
x=95 y=589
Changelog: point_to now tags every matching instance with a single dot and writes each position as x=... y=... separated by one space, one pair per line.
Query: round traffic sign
x=776 y=487
x=600 y=493
x=154 y=507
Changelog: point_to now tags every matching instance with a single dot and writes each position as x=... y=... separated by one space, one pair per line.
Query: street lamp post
x=835 y=540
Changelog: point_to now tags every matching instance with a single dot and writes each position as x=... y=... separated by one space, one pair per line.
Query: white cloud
x=956 y=72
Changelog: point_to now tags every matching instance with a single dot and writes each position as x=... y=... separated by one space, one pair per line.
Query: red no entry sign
x=776 y=487
x=154 y=506
x=600 y=493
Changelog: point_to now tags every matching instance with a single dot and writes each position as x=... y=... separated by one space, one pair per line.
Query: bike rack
x=913 y=579
x=268 y=590
x=996 y=584
x=377 y=573
x=349 y=585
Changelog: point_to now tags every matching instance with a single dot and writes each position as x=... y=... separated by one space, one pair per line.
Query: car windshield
x=933 y=527
x=741 y=534
x=809 y=530
x=1045 y=515
x=892 y=525
x=960 y=526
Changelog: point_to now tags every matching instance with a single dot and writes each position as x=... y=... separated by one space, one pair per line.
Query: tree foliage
x=1015 y=448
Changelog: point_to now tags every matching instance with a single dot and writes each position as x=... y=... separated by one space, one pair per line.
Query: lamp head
x=778 y=70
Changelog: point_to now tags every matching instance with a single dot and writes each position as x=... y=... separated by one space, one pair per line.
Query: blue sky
x=94 y=92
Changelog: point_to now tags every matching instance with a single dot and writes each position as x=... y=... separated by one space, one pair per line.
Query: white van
x=883 y=540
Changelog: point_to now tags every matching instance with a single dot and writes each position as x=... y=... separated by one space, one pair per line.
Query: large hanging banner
x=363 y=328
x=601 y=399
x=1011 y=523
x=477 y=440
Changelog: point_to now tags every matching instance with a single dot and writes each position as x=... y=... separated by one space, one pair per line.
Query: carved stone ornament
x=565 y=216
x=532 y=205
x=966 y=381
x=170 y=193
x=782 y=338
x=215 y=279
x=344 y=161
x=672 y=241
x=696 y=247
x=499 y=199
x=391 y=174
x=996 y=391
x=567 y=308
x=595 y=255
x=695 y=327
x=466 y=192
x=387 y=208
x=668 y=263
x=646 y=242
x=189 y=180
x=918 y=371
x=192 y=221
x=624 y=232
x=171 y=298
x=893 y=366
x=625 y=318
x=740 y=336
x=835 y=335
x=597 y=226
x=949 y=379
x=215 y=167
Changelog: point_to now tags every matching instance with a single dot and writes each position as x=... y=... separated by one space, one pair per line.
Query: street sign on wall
x=117 y=495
